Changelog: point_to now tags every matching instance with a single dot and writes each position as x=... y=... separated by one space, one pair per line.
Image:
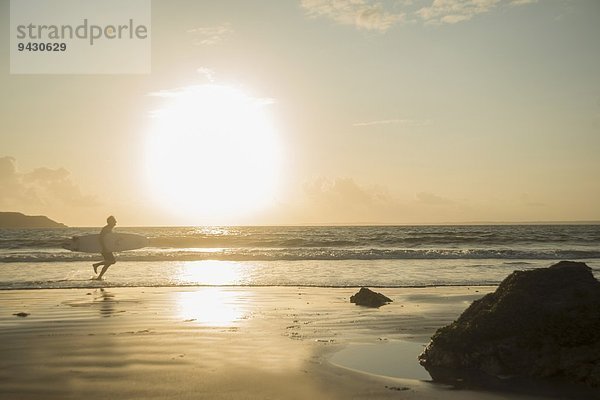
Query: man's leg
x=109 y=259
x=96 y=265
x=104 y=269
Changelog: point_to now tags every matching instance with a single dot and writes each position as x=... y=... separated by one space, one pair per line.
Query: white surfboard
x=113 y=241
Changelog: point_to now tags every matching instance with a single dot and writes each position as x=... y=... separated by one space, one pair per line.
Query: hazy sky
x=393 y=111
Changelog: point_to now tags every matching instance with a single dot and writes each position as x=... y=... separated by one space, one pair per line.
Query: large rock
x=369 y=298
x=542 y=323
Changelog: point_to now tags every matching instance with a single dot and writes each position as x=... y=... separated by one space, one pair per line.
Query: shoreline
x=380 y=274
x=215 y=342
x=247 y=286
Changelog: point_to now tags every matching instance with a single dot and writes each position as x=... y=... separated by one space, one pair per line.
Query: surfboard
x=114 y=242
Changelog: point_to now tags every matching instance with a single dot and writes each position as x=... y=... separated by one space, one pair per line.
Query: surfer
x=109 y=258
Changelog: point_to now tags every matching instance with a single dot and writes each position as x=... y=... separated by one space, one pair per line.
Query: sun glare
x=211 y=306
x=212 y=154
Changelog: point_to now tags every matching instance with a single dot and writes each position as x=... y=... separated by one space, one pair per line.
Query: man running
x=109 y=258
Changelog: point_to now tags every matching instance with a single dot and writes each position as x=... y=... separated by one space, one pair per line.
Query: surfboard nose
x=69 y=244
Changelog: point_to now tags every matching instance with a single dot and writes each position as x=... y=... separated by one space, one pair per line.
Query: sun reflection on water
x=211 y=273
x=211 y=306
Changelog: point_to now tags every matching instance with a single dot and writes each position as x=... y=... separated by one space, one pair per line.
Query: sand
x=215 y=342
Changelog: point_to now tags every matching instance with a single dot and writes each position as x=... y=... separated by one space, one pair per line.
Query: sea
x=321 y=256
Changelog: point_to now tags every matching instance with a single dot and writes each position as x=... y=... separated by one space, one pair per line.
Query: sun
x=212 y=154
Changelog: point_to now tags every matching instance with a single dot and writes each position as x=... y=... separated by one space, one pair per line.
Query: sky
x=371 y=112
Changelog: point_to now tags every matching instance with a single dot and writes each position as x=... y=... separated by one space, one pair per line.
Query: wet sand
x=215 y=342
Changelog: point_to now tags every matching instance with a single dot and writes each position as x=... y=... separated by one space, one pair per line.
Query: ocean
x=339 y=256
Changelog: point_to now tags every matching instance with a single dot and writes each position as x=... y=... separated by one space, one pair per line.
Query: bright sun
x=212 y=154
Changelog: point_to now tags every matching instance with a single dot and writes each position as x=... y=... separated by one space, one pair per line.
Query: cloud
x=363 y=14
x=41 y=189
x=373 y=15
x=337 y=189
x=522 y=2
x=208 y=73
x=455 y=11
x=343 y=200
x=433 y=199
x=202 y=92
x=210 y=35
x=408 y=122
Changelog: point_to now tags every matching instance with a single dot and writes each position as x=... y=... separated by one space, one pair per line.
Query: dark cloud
x=39 y=189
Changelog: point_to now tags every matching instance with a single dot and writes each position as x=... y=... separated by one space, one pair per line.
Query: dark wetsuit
x=108 y=256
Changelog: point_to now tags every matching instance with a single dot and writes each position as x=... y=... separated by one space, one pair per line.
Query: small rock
x=21 y=314
x=397 y=388
x=369 y=298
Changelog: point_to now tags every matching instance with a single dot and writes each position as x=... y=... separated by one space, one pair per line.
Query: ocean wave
x=330 y=237
x=296 y=254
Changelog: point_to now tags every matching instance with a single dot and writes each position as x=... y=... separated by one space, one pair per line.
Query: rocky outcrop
x=18 y=220
x=542 y=323
x=369 y=298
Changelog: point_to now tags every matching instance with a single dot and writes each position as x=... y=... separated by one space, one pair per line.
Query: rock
x=21 y=314
x=369 y=298
x=397 y=388
x=542 y=323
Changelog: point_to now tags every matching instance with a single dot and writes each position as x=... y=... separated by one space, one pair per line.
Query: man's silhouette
x=109 y=258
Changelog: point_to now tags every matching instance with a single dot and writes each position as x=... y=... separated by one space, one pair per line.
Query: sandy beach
x=217 y=342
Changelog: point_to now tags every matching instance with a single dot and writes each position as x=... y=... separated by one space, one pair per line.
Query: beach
x=217 y=342
x=254 y=312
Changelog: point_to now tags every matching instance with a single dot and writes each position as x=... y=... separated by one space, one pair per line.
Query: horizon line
x=374 y=224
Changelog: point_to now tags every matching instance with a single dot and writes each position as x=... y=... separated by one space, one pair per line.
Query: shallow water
x=350 y=273
x=397 y=359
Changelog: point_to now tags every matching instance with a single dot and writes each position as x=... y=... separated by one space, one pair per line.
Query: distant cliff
x=18 y=220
